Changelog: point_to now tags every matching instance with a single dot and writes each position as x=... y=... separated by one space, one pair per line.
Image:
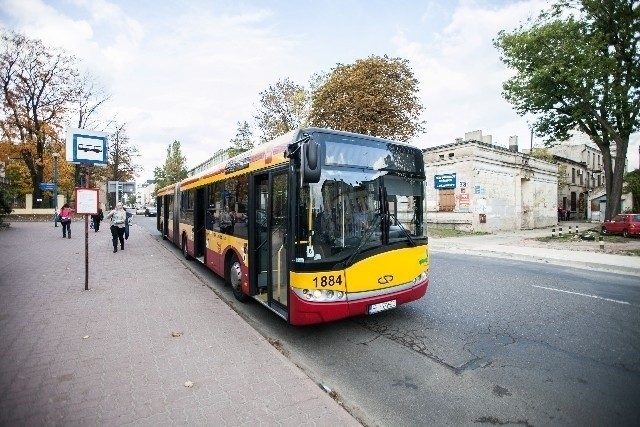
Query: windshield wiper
x=406 y=233
x=364 y=239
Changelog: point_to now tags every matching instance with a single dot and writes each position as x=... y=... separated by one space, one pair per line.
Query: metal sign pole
x=86 y=237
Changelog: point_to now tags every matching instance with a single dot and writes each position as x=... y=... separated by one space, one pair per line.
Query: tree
x=37 y=89
x=283 y=107
x=376 y=96
x=174 y=170
x=90 y=97
x=243 y=140
x=632 y=185
x=120 y=160
x=577 y=68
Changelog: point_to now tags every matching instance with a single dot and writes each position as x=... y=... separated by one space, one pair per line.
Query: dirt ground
x=620 y=247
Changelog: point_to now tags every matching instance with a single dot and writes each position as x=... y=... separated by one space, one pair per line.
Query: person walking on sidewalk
x=96 y=218
x=65 y=220
x=118 y=218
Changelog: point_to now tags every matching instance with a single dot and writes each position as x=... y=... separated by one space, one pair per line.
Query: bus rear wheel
x=234 y=278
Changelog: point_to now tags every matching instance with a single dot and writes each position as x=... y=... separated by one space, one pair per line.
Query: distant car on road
x=625 y=224
x=141 y=210
x=150 y=211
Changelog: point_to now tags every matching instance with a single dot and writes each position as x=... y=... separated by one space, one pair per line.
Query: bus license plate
x=382 y=306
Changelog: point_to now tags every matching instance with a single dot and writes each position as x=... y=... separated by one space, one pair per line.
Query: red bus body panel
x=306 y=313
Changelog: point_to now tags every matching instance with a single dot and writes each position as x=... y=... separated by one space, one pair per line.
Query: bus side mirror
x=310 y=162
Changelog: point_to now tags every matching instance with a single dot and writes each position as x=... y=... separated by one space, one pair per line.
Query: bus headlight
x=320 y=295
x=420 y=278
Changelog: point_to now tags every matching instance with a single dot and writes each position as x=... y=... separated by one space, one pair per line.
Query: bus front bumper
x=303 y=312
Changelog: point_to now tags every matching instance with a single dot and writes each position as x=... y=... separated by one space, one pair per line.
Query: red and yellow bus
x=317 y=225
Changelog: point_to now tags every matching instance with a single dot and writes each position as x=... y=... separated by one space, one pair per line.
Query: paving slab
x=122 y=352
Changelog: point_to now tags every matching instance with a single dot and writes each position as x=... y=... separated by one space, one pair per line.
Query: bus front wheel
x=234 y=279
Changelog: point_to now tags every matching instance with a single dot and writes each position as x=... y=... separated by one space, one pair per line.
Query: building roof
x=472 y=141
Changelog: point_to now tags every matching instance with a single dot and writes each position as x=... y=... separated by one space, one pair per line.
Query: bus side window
x=210 y=218
x=213 y=212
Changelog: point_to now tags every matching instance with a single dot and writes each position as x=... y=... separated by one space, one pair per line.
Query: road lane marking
x=583 y=295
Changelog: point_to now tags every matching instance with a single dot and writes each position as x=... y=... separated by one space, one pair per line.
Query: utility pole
x=55 y=188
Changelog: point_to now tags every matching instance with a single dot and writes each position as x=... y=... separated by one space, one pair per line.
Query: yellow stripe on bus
x=380 y=271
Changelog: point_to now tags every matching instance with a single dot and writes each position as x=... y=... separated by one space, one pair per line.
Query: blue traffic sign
x=47 y=186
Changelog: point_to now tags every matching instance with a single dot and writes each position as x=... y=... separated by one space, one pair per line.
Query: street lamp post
x=55 y=188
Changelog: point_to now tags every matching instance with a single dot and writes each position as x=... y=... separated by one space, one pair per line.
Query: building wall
x=496 y=189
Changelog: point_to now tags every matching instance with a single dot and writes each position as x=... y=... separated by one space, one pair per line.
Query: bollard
x=559 y=231
x=569 y=229
x=553 y=232
x=576 y=229
x=602 y=243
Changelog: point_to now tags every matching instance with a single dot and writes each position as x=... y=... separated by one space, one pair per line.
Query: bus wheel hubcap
x=235 y=276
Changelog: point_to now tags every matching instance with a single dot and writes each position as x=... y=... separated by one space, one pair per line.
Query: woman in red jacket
x=65 y=220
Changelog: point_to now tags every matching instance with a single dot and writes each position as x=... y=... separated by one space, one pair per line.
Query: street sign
x=47 y=186
x=86 y=147
x=122 y=187
x=444 y=181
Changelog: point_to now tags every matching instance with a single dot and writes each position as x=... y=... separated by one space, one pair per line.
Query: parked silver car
x=150 y=211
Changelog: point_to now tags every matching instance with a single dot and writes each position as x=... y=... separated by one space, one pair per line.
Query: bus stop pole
x=86 y=237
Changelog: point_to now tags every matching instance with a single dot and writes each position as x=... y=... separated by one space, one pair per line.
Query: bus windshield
x=356 y=207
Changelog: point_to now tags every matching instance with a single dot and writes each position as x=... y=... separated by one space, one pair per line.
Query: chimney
x=513 y=143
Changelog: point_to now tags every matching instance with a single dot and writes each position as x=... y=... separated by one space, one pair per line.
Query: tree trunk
x=614 y=176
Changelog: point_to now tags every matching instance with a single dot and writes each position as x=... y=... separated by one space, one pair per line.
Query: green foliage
x=243 y=140
x=4 y=200
x=283 y=107
x=376 y=96
x=159 y=177
x=632 y=185
x=578 y=68
x=542 y=154
x=174 y=170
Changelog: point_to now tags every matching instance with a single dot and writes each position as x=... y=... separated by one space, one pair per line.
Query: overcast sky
x=191 y=69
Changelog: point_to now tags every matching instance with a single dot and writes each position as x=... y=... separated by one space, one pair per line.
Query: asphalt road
x=493 y=342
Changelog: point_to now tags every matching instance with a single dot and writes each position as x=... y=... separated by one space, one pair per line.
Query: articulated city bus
x=317 y=225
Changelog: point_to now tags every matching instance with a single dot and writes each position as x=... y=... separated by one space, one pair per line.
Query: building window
x=441 y=157
x=581 y=177
x=451 y=155
x=573 y=175
x=447 y=200
x=599 y=183
x=573 y=201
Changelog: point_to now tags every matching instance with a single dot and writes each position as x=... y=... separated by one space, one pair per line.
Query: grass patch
x=450 y=232
x=564 y=238
x=632 y=252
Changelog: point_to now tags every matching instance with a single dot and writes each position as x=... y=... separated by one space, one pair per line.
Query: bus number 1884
x=330 y=280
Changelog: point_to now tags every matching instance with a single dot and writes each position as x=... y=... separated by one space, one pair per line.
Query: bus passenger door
x=270 y=249
x=199 y=232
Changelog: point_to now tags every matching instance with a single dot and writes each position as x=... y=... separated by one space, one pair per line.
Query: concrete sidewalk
x=108 y=356
x=509 y=245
